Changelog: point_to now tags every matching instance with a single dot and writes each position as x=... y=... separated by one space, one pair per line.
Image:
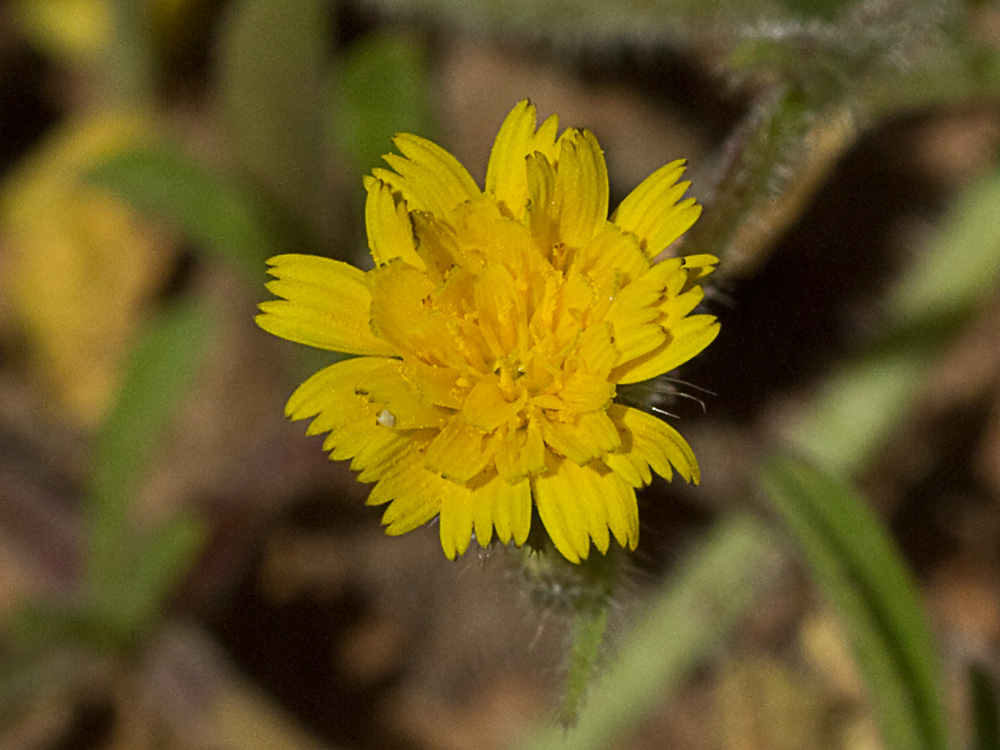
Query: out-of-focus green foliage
x=273 y=63
x=133 y=579
x=221 y=215
x=857 y=567
x=130 y=571
x=381 y=90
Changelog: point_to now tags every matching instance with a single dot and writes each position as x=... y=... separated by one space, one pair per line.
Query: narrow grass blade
x=159 y=563
x=861 y=573
x=161 y=370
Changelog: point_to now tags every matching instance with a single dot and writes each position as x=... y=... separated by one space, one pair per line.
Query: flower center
x=510 y=373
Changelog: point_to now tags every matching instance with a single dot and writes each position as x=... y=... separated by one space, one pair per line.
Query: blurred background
x=182 y=568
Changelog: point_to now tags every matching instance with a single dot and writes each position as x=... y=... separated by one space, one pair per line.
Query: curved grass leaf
x=130 y=605
x=160 y=372
x=219 y=215
x=861 y=573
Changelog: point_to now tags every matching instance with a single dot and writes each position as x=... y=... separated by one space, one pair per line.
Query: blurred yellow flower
x=74 y=29
x=492 y=334
x=80 y=264
x=81 y=30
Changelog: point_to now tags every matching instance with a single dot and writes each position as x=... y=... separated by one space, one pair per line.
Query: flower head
x=492 y=335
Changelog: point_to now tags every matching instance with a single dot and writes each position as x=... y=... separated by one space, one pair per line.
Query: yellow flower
x=492 y=334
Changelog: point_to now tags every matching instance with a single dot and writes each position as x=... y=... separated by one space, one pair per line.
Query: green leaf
x=383 y=90
x=686 y=621
x=219 y=215
x=958 y=271
x=861 y=573
x=159 y=563
x=160 y=372
x=270 y=89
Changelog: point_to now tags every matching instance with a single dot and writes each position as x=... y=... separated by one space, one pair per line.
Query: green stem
x=776 y=160
x=583 y=593
x=588 y=632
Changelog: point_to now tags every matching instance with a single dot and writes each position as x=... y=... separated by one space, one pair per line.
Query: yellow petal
x=436 y=385
x=412 y=496
x=682 y=275
x=581 y=187
x=486 y=408
x=516 y=140
x=685 y=340
x=428 y=177
x=399 y=314
x=586 y=437
x=611 y=259
x=622 y=510
x=583 y=392
x=652 y=330
x=460 y=451
x=409 y=511
x=673 y=309
x=333 y=389
x=506 y=507
x=634 y=340
x=341 y=400
x=595 y=350
x=578 y=504
x=482 y=513
x=505 y=172
x=502 y=315
x=406 y=477
x=556 y=494
x=542 y=202
x=698 y=267
x=389 y=388
x=652 y=210
x=634 y=319
x=657 y=443
x=456 y=518
x=326 y=304
x=438 y=245
x=382 y=450
x=387 y=222
x=521 y=453
x=592 y=508
x=628 y=467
